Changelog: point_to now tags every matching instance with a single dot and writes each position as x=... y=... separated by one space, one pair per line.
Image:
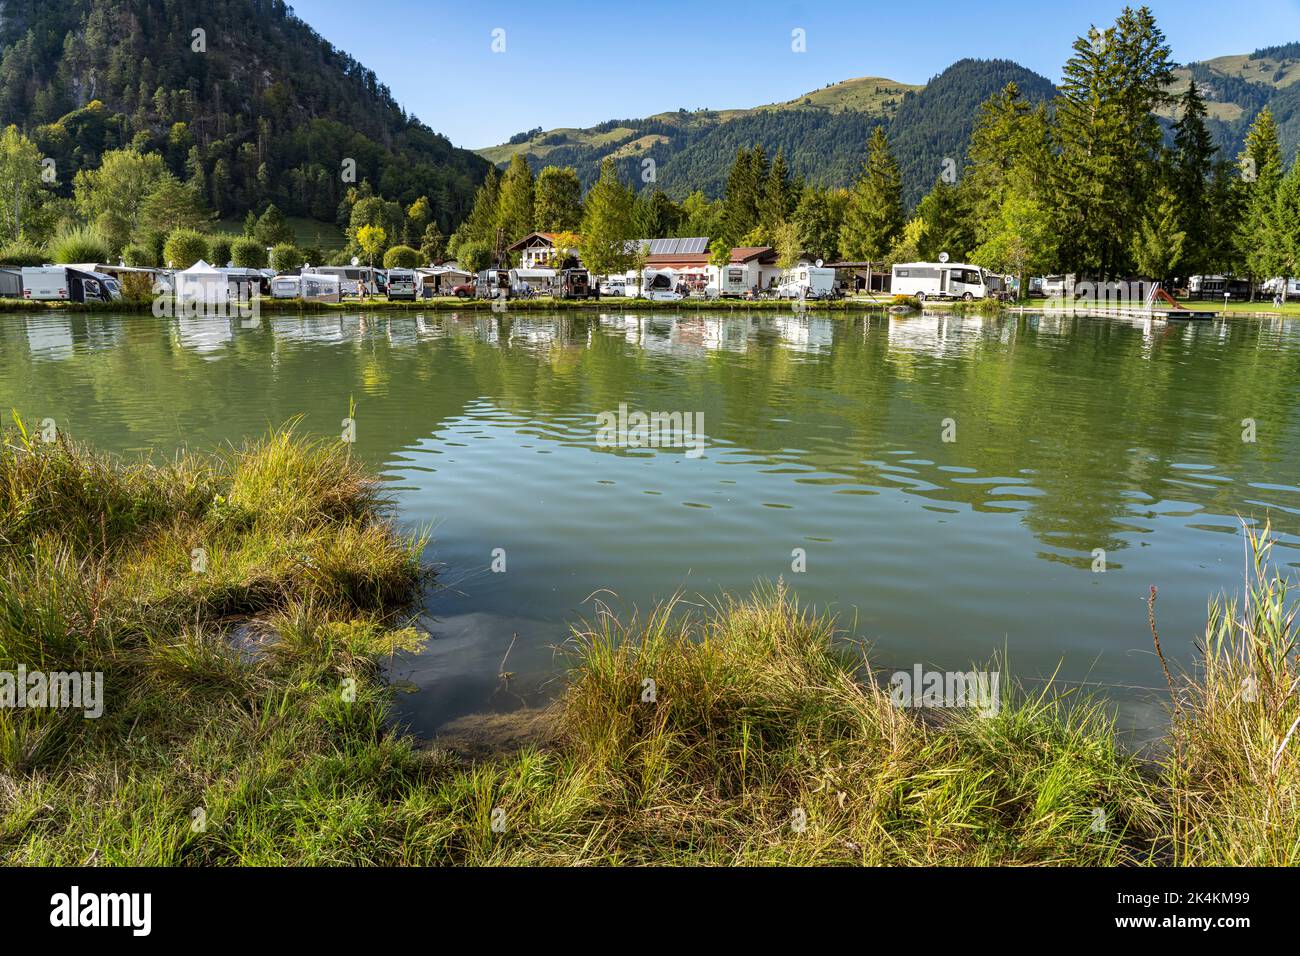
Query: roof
x=738 y=255
x=104 y=267
x=550 y=238
x=201 y=268
x=749 y=253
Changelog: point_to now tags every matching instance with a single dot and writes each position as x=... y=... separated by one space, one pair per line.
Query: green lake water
x=825 y=434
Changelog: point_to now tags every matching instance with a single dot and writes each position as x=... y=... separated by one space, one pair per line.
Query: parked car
x=466 y=290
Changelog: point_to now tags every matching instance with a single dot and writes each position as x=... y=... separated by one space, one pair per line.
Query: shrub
x=78 y=244
x=219 y=250
x=248 y=253
x=286 y=257
x=184 y=247
x=22 y=252
x=139 y=255
x=401 y=257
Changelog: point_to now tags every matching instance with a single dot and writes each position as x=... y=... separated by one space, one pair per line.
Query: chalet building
x=537 y=251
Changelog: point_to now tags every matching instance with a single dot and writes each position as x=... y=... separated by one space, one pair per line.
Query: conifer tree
x=874 y=217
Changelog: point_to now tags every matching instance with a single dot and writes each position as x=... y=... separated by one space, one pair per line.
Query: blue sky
x=576 y=63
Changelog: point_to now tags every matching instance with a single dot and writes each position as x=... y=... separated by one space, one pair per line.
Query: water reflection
x=829 y=433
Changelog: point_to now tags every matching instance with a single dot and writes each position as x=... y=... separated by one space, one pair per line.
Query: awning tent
x=202 y=283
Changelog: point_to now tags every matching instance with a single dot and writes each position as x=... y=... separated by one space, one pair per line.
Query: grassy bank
x=245 y=715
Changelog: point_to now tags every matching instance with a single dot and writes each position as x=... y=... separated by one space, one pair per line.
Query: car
x=466 y=290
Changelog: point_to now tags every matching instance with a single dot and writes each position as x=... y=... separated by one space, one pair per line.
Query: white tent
x=202 y=283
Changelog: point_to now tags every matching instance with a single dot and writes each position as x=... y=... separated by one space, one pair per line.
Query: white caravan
x=660 y=285
x=806 y=282
x=938 y=280
x=43 y=284
x=286 y=287
x=1276 y=285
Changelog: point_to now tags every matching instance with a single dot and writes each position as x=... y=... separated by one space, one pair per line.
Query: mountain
x=1236 y=88
x=823 y=133
x=240 y=95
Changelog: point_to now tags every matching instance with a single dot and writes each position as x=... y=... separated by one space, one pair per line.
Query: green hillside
x=821 y=133
x=254 y=109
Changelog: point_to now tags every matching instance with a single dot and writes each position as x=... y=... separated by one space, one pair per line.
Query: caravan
x=938 y=280
x=806 y=282
x=48 y=283
x=660 y=285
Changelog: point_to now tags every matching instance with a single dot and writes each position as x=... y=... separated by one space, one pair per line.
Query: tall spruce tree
x=779 y=195
x=1109 y=141
x=1191 y=167
x=945 y=224
x=744 y=193
x=1284 y=233
x=1261 y=172
x=874 y=218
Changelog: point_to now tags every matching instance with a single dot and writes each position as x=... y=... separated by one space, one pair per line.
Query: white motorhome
x=806 y=282
x=351 y=278
x=48 y=283
x=401 y=284
x=732 y=280
x=938 y=280
x=1055 y=286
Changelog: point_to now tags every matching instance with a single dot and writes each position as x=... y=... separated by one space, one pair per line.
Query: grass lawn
x=245 y=719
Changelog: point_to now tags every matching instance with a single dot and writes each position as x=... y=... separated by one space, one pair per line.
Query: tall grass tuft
x=1233 y=767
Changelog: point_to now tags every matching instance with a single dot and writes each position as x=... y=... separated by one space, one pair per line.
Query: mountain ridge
x=927 y=123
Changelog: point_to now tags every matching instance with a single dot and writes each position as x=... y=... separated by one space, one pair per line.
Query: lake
x=949 y=486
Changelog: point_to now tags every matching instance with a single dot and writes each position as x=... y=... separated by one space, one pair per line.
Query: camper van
x=806 y=282
x=938 y=280
x=401 y=284
x=574 y=284
x=493 y=284
x=731 y=281
x=526 y=282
